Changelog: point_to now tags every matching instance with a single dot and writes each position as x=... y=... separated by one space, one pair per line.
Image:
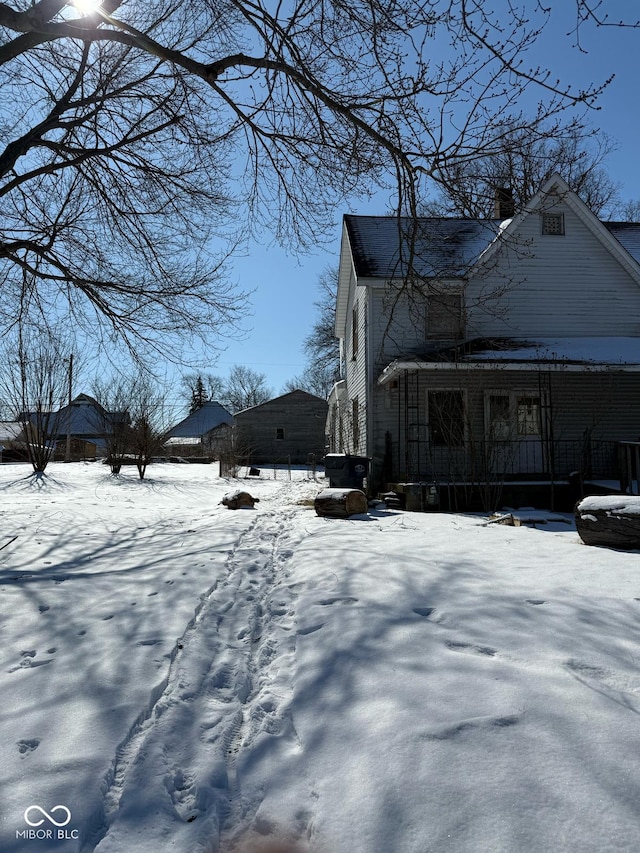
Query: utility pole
x=67 y=454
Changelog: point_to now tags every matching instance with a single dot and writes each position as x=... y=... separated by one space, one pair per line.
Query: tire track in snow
x=175 y=775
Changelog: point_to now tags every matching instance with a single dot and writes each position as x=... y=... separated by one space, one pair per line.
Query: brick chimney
x=503 y=204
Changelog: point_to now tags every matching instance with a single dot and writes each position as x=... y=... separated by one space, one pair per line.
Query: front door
x=529 y=432
x=514 y=433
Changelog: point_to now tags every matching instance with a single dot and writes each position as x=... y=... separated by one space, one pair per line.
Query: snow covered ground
x=176 y=676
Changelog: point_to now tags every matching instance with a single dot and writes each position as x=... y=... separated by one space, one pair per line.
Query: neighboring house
x=289 y=428
x=88 y=424
x=202 y=433
x=12 y=441
x=481 y=352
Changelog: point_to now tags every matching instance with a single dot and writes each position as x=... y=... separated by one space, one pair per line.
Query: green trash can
x=346 y=471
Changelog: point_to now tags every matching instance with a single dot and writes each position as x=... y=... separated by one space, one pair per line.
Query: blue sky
x=286 y=286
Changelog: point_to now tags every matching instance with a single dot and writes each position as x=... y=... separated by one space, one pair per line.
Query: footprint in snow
x=327 y=602
x=27 y=745
x=423 y=611
x=536 y=601
x=470 y=648
x=304 y=632
x=43 y=608
x=28 y=661
x=462 y=727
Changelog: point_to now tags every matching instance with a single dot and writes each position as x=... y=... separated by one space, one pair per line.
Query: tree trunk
x=340 y=503
x=603 y=527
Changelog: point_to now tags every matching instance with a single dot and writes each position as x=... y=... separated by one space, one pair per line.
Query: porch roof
x=565 y=354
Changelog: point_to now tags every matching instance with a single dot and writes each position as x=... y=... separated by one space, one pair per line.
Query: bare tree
x=35 y=380
x=138 y=134
x=244 y=388
x=519 y=163
x=114 y=398
x=148 y=426
x=315 y=379
x=321 y=346
x=629 y=211
x=197 y=389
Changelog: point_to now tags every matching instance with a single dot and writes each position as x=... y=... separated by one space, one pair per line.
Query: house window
x=499 y=417
x=553 y=224
x=444 y=317
x=355 y=420
x=279 y=433
x=354 y=331
x=528 y=415
x=446 y=418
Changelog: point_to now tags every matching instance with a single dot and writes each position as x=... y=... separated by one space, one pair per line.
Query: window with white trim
x=444 y=317
x=446 y=418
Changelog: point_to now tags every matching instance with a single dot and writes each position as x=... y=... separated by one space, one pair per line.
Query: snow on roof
x=10 y=430
x=388 y=247
x=438 y=246
x=628 y=235
x=622 y=353
x=202 y=421
x=587 y=351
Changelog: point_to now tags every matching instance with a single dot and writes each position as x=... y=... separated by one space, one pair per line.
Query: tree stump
x=239 y=499
x=613 y=521
x=340 y=503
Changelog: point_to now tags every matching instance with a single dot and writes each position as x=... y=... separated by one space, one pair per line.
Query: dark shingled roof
x=388 y=247
x=382 y=246
x=628 y=235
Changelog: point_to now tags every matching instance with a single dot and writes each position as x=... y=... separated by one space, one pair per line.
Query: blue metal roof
x=202 y=421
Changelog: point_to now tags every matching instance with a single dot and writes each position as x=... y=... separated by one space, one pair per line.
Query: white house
x=478 y=352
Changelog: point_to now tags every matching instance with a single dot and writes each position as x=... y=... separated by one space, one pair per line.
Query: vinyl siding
x=356 y=373
x=545 y=286
x=607 y=405
x=301 y=416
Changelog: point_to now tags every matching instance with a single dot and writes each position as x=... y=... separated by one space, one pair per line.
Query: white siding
x=548 y=286
x=356 y=372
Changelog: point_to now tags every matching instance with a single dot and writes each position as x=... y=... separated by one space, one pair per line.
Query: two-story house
x=481 y=352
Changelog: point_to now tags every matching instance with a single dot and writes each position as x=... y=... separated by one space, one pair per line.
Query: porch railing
x=629 y=462
x=498 y=461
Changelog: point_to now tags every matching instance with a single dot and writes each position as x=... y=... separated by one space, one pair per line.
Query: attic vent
x=553 y=224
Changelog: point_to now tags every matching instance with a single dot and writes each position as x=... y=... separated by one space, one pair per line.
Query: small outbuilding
x=289 y=428
x=201 y=433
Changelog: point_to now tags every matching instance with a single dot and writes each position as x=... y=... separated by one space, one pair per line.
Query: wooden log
x=609 y=521
x=340 y=503
x=239 y=499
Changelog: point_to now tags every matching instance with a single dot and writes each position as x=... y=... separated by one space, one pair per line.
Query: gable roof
x=391 y=247
x=202 y=421
x=85 y=416
x=622 y=240
x=296 y=396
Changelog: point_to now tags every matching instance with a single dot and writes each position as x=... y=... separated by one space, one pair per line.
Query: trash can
x=346 y=471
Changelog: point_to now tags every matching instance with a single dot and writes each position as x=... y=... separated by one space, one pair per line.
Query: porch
x=485 y=475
